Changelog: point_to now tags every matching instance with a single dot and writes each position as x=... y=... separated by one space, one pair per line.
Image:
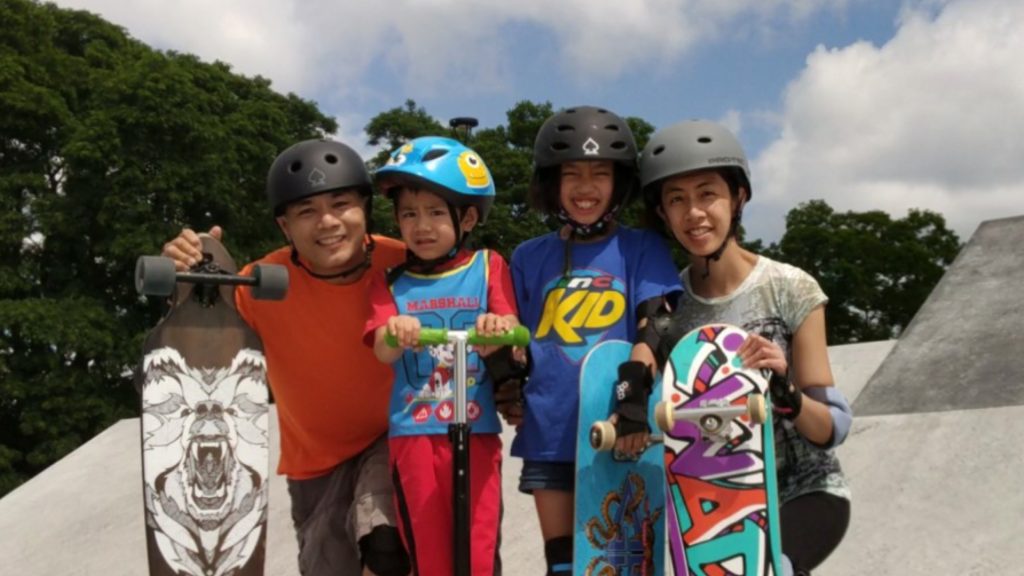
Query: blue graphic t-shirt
x=423 y=396
x=568 y=314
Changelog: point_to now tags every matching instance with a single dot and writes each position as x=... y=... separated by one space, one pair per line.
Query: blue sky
x=866 y=104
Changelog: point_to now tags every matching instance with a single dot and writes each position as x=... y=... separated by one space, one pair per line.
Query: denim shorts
x=538 y=475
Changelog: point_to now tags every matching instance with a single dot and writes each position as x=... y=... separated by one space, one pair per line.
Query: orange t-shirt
x=330 y=390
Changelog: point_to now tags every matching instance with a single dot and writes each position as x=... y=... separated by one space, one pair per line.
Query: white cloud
x=733 y=121
x=319 y=46
x=932 y=119
x=253 y=36
x=350 y=131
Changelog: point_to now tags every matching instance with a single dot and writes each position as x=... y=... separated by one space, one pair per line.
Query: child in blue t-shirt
x=591 y=280
x=441 y=190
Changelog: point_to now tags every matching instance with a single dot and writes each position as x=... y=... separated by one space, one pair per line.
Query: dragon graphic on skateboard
x=619 y=526
x=204 y=418
x=719 y=461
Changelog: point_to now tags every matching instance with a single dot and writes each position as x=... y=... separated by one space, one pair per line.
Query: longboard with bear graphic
x=204 y=418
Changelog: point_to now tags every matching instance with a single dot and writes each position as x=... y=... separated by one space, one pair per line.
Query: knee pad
x=558 y=553
x=383 y=552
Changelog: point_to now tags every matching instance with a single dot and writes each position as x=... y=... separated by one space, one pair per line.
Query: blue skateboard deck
x=619 y=527
x=722 y=518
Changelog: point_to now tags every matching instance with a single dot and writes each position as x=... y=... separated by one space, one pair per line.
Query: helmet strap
x=587 y=231
x=364 y=264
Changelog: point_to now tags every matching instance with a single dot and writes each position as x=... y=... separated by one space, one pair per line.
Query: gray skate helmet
x=693 y=146
x=313 y=167
x=689 y=146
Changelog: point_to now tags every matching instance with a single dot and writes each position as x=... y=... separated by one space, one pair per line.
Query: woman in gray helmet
x=695 y=183
x=589 y=281
x=330 y=391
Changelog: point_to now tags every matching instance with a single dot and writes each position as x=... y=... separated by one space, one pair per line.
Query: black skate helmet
x=583 y=133
x=313 y=167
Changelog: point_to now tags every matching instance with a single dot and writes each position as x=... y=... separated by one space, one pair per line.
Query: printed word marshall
x=446 y=303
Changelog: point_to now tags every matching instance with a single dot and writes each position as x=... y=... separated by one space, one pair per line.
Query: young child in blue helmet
x=695 y=184
x=441 y=189
x=584 y=174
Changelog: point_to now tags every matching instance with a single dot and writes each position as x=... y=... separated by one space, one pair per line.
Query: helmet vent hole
x=704 y=139
x=295 y=166
x=570 y=111
x=566 y=128
x=618 y=145
x=659 y=150
x=331 y=159
x=560 y=146
x=602 y=111
x=434 y=155
x=612 y=127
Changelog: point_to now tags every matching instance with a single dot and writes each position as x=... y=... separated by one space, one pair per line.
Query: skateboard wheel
x=155 y=276
x=663 y=416
x=756 y=409
x=602 y=436
x=271 y=282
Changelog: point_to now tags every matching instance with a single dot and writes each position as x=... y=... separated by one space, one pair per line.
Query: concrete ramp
x=934 y=493
x=934 y=457
x=854 y=364
x=83 y=515
x=963 y=349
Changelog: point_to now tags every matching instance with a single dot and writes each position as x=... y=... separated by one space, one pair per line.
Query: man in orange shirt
x=331 y=392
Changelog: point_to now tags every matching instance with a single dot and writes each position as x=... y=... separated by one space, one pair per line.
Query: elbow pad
x=838 y=407
x=658 y=312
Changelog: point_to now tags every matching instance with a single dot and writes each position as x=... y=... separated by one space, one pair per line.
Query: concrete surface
x=934 y=457
x=934 y=493
x=83 y=515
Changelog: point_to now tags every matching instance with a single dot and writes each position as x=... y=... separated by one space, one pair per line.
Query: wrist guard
x=631 y=393
x=787 y=399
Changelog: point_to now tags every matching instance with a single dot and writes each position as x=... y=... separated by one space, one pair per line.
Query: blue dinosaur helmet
x=443 y=166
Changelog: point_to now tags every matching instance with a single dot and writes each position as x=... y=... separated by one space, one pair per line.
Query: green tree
x=107 y=149
x=397 y=126
x=876 y=270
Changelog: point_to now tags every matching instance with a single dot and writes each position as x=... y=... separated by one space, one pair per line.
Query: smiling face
x=328 y=230
x=698 y=209
x=426 y=224
x=585 y=189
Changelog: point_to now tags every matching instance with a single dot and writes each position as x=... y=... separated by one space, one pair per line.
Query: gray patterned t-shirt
x=773 y=301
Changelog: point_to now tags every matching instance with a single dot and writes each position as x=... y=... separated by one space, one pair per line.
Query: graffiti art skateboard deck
x=619 y=527
x=719 y=457
x=204 y=419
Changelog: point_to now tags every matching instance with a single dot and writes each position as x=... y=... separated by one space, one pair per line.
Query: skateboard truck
x=459 y=428
x=156 y=276
x=603 y=437
x=712 y=416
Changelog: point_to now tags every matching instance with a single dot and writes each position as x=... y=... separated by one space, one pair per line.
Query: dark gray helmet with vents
x=584 y=133
x=313 y=167
x=689 y=146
